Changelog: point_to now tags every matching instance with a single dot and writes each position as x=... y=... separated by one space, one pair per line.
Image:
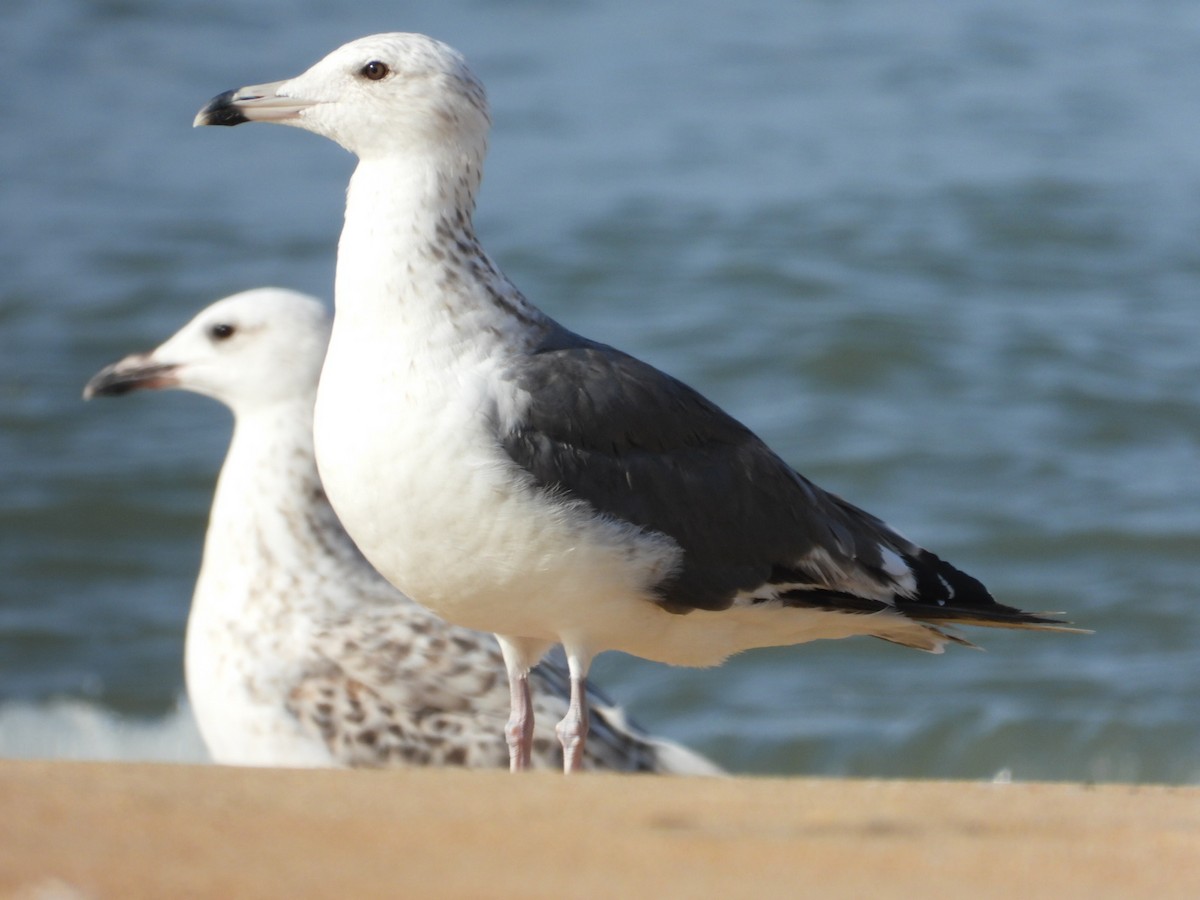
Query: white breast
x=412 y=464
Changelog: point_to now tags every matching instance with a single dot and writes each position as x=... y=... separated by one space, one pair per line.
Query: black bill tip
x=220 y=110
x=121 y=378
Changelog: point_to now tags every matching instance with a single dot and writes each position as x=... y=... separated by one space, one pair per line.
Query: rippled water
x=944 y=259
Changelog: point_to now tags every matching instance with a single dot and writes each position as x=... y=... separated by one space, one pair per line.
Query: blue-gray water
x=944 y=258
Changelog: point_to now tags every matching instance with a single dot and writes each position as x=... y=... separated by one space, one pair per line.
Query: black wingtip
x=950 y=596
x=220 y=110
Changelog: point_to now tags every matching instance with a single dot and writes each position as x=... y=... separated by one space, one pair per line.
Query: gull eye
x=221 y=331
x=374 y=70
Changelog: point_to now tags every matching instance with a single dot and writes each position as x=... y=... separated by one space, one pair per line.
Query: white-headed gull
x=518 y=478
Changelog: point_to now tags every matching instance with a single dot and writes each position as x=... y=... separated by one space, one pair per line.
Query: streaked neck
x=408 y=254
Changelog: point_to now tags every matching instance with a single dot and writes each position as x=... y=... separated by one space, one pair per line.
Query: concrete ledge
x=101 y=830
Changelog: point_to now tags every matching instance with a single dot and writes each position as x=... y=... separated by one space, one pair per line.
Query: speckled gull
x=298 y=653
x=518 y=478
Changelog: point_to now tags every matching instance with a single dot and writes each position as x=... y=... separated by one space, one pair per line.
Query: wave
x=78 y=730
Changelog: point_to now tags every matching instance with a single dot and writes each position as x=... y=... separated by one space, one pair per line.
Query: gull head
x=383 y=95
x=250 y=350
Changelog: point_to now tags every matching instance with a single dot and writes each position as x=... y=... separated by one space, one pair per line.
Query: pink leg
x=572 y=730
x=520 y=654
x=519 y=730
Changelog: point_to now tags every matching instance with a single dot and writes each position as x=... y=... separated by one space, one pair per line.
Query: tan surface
x=101 y=830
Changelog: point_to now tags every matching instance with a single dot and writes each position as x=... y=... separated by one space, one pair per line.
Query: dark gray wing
x=644 y=448
x=641 y=447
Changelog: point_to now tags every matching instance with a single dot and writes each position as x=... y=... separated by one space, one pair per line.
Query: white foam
x=79 y=730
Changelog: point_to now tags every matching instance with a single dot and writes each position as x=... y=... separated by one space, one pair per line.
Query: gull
x=518 y=478
x=298 y=653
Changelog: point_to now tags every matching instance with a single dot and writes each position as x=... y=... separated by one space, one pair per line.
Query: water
x=944 y=259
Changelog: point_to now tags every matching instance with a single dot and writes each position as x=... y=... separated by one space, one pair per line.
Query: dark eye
x=221 y=331
x=374 y=70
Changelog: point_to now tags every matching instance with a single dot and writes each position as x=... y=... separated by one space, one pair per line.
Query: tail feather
x=995 y=616
x=1004 y=617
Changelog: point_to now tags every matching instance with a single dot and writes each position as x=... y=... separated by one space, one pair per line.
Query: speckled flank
x=444 y=703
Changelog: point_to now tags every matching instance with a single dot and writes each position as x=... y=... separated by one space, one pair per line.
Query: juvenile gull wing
x=411 y=690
